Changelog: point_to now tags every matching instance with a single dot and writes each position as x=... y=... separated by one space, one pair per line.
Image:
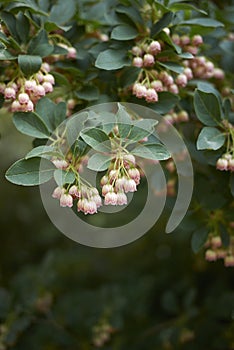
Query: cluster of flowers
x=24 y=93
x=151 y=81
x=102 y=334
x=215 y=251
x=121 y=178
x=226 y=162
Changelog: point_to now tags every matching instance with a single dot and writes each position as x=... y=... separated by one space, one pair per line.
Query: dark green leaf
x=59 y=113
x=29 y=64
x=166 y=102
x=232 y=183
x=210 y=138
x=45 y=108
x=184 y=7
x=28 y=172
x=39 y=45
x=112 y=59
x=174 y=67
x=6 y=55
x=88 y=93
x=99 y=162
x=203 y=21
x=97 y=139
x=131 y=12
x=124 y=32
x=74 y=126
x=63 y=177
x=162 y=23
x=207 y=108
x=62 y=12
x=151 y=151
x=22 y=27
x=10 y=21
x=30 y=124
x=199 y=238
x=17 y=5
x=60 y=79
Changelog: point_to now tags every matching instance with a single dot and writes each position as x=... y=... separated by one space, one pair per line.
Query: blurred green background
x=56 y=294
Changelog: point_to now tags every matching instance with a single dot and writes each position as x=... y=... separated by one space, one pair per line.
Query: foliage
x=61 y=58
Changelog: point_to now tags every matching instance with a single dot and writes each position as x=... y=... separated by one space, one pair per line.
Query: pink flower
x=23 y=98
x=197 y=40
x=174 y=89
x=9 y=93
x=135 y=175
x=71 y=53
x=137 y=51
x=106 y=189
x=229 y=261
x=119 y=183
x=58 y=191
x=97 y=199
x=154 y=48
x=137 y=62
x=222 y=164
x=39 y=91
x=129 y=159
x=104 y=180
x=188 y=72
x=231 y=164
x=181 y=80
x=157 y=85
x=47 y=86
x=111 y=198
x=176 y=39
x=45 y=67
x=216 y=242
x=122 y=198
x=66 y=200
x=74 y=191
x=211 y=255
x=16 y=106
x=192 y=49
x=130 y=185
x=28 y=107
x=30 y=85
x=218 y=73
x=90 y=207
x=49 y=78
x=139 y=90
x=71 y=103
x=182 y=116
x=148 y=60
x=184 y=40
x=151 y=95
x=2 y=88
x=60 y=163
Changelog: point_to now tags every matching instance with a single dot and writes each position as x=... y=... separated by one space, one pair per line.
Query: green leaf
x=63 y=177
x=41 y=151
x=23 y=27
x=124 y=121
x=62 y=12
x=184 y=7
x=29 y=64
x=151 y=151
x=112 y=59
x=88 y=93
x=28 y=173
x=10 y=21
x=74 y=126
x=227 y=106
x=207 y=108
x=59 y=113
x=131 y=12
x=142 y=128
x=232 y=184
x=167 y=39
x=97 y=139
x=30 y=124
x=99 y=162
x=124 y=32
x=17 y=5
x=45 y=108
x=210 y=138
x=60 y=79
x=174 y=67
x=199 y=238
x=162 y=23
x=39 y=45
x=51 y=26
x=6 y=55
x=203 y=22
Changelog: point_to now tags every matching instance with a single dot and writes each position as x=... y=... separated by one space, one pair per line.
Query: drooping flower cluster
x=22 y=93
x=216 y=250
x=226 y=162
x=149 y=55
x=121 y=178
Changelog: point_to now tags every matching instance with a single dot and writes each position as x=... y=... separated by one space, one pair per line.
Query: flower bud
x=48 y=87
x=23 y=98
x=151 y=95
x=154 y=47
x=137 y=62
x=229 y=261
x=122 y=198
x=157 y=85
x=111 y=198
x=222 y=164
x=197 y=40
x=148 y=60
x=58 y=191
x=9 y=93
x=181 y=80
x=216 y=242
x=130 y=185
x=211 y=255
x=66 y=200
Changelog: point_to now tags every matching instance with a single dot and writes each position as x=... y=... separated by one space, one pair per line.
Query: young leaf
x=162 y=23
x=29 y=64
x=207 y=108
x=151 y=151
x=112 y=59
x=30 y=124
x=99 y=162
x=210 y=138
x=124 y=32
x=63 y=177
x=28 y=173
x=97 y=139
x=199 y=238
